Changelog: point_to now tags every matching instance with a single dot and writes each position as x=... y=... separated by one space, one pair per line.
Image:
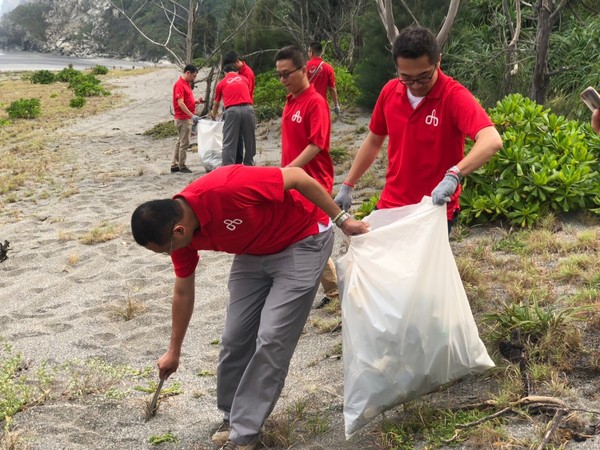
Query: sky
x=9 y=5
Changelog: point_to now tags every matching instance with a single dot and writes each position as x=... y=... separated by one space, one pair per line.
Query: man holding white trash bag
x=427 y=116
x=407 y=324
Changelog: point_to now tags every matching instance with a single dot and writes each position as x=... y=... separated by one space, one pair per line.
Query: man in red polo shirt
x=305 y=132
x=321 y=74
x=244 y=70
x=184 y=107
x=268 y=218
x=239 y=117
x=427 y=116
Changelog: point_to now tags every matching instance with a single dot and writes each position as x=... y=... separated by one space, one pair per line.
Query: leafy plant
x=548 y=164
x=67 y=74
x=77 y=102
x=269 y=97
x=24 y=108
x=157 y=439
x=366 y=208
x=99 y=70
x=42 y=77
x=162 y=130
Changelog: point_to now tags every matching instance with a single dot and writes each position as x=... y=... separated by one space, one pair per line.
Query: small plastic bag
x=407 y=324
x=210 y=143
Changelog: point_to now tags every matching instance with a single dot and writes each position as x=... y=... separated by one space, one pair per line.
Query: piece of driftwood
x=4 y=248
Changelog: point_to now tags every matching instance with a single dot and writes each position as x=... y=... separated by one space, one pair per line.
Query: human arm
x=181 y=310
x=334 y=97
x=296 y=178
x=596 y=121
x=362 y=161
x=309 y=152
x=184 y=108
x=487 y=143
x=215 y=109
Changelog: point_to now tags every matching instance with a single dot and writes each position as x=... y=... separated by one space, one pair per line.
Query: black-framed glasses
x=171 y=243
x=421 y=80
x=286 y=75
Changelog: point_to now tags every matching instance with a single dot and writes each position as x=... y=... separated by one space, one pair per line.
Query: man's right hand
x=167 y=365
x=344 y=197
x=195 y=118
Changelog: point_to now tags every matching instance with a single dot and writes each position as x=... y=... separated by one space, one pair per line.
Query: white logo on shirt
x=234 y=79
x=230 y=224
x=431 y=119
x=297 y=117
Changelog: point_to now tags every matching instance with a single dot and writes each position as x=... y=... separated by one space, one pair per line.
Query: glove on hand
x=442 y=192
x=336 y=109
x=344 y=197
x=195 y=118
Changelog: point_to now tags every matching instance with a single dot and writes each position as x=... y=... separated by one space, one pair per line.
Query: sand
x=63 y=301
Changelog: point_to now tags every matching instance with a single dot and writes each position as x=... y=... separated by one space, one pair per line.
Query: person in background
x=305 y=133
x=244 y=70
x=238 y=114
x=427 y=116
x=270 y=219
x=184 y=107
x=321 y=75
x=596 y=121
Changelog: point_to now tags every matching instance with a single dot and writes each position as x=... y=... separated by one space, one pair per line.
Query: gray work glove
x=444 y=190
x=195 y=118
x=336 y=109
x=344 y=197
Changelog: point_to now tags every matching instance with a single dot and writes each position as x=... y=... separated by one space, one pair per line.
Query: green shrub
x=99 y=70
x=24 y=108
x=43 y=77
x=67 y=74
x=162 y=130
x=77 y=102
x=345 y=86
x=87 y=86
x=547 y=164
x=269 y=97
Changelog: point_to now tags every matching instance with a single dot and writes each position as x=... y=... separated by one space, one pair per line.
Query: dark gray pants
x=239 y=120
x=270 y=299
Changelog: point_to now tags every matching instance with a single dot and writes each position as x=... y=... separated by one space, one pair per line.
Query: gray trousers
x=270 y=300
x=239 y=120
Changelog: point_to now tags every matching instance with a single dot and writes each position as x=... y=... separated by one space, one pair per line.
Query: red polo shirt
x=247 y=72
x=324 y=78
x=244 y=210
x=234 y=89
x=424 y=142
x=182 y=89
x=305 y=121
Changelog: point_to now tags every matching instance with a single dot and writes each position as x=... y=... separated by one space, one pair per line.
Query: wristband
x=340 y=219
x=455 y=171
x=348 y=184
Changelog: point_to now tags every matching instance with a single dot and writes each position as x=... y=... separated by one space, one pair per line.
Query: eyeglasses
x=286 y=75
x=421 y=80
x=171 y=243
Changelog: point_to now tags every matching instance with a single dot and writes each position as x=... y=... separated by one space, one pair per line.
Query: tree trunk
x=189 y=43
x=539 y=81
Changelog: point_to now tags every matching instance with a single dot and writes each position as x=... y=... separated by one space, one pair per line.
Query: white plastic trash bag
x=210 y=143
x=407 y=324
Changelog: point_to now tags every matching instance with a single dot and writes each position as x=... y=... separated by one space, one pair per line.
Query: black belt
x=239 y=104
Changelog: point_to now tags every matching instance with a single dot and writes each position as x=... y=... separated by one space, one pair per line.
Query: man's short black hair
x=230 y=68
x=190 y=68
x=153 y=221
x=230 y=58
x=292 y=52
x=414 y=42
x=316 y=47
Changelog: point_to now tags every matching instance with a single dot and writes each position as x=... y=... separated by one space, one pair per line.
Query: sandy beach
x=65 y=302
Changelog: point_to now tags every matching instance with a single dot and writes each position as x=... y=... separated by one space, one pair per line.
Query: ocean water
x=23 y=61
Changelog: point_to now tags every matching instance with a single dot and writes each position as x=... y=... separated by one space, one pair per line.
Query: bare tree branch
x=443 y=34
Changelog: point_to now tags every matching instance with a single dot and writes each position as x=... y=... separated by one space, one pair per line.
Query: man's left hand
x=352 y=227
x=444 y=190
x=336 y=109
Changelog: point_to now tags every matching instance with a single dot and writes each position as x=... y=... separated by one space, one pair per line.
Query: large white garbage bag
x=407 y=324
x=210 y=143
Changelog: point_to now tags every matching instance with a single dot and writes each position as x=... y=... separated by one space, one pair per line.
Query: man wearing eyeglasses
x=305 y=133
x=269 y=217
x=427 y=116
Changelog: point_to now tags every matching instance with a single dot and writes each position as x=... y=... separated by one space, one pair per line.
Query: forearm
x=364 y=158
x=296 y=178
x=305 y=156
x=487 y=143
x=215 y=109
x=182 y=310
x=334 y=96
x=184 y=108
